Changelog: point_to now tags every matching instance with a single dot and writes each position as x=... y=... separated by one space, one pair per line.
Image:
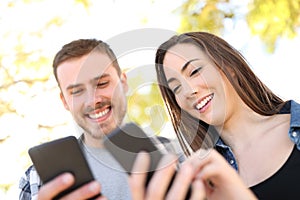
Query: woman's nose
x=190 y=91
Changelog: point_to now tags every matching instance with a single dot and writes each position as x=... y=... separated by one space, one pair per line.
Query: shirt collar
x=220 y=143
x=295 y=113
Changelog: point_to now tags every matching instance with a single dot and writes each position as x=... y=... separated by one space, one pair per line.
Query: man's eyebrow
x=186 y=64
x=70 y=87
x=101 y=76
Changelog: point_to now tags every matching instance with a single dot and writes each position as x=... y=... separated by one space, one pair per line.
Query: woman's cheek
x=180 y=102
x=183 y=105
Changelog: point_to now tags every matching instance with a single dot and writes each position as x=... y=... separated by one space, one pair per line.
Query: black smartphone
x=58 y=156
x=125 y=142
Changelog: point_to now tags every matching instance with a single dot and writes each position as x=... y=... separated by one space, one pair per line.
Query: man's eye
x=74 y=92
x=102 y=84
x=195 y=71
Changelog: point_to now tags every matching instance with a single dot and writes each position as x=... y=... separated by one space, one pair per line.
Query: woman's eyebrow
x=187 y=63
x=182 y=69
x=170 y=80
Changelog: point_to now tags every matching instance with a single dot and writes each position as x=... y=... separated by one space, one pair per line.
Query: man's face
x=94 y=93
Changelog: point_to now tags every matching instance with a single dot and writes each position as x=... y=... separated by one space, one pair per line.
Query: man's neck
x=91 y=141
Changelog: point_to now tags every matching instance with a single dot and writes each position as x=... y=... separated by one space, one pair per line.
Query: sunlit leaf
x=86 y=3
x=56 y=21
x=270 y=20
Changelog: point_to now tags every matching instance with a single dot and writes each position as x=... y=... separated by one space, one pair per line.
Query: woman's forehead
x=180 y=54
x=186 y=51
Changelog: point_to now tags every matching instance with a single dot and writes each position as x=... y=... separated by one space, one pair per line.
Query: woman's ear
x=231 y=72
x=62 y=98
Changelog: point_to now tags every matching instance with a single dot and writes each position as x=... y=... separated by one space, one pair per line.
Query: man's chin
x=97 y=135
x=104 y=129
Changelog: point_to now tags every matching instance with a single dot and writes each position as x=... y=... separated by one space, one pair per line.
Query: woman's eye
x=195 y=71
x=176 y=89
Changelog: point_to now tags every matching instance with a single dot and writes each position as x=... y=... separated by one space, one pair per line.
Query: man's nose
x=93 y=97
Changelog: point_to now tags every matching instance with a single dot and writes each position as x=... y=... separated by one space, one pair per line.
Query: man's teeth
x=203 y=102
x=98 y=115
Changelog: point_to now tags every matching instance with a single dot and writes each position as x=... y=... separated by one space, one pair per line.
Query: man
x=93 y=89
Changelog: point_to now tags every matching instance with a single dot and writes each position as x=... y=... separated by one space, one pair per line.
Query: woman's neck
x=243 y=127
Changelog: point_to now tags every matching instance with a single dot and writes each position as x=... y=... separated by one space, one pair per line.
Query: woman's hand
x=209 y=176
x=220 y=180
x=160 y=181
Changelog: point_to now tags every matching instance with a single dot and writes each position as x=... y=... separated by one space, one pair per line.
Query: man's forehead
x=84 y=68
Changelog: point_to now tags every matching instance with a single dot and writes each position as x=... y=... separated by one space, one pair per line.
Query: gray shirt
x=108 y=172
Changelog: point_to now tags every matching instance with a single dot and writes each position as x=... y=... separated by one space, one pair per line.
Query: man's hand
x=64 y=181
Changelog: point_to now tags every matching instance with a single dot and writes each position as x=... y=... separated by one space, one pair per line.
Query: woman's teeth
x=200 y=105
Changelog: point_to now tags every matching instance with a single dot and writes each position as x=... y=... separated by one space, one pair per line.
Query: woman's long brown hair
x=191 y=132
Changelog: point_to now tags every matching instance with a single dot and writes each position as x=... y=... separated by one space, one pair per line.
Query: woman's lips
x=203 y=102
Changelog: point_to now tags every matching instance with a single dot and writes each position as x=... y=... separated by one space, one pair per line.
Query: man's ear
x=62 y=98
x=123 y=78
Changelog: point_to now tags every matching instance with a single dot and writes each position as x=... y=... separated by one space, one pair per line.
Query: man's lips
x=99 y=113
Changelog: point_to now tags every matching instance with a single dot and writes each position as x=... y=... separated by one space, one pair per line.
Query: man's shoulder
x=29 y=175
x=29 y=183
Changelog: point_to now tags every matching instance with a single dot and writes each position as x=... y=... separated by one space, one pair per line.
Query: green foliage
x=86 y=3
x=148 y=109
x=145 y=104
x=274 y=19
x=269 y=19
x=198 y=15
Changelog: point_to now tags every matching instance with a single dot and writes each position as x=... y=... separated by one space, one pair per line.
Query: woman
x=215 y=100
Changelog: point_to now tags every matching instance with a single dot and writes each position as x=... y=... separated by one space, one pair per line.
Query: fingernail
x=94 y=186
x=67 y=178
x=141 y=155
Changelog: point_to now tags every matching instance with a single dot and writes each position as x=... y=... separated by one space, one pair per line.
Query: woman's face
x=200 y=88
